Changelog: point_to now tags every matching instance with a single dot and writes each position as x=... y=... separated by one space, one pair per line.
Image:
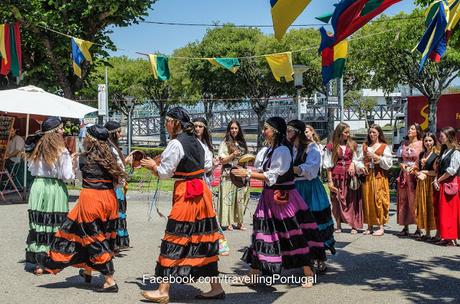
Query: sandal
x=403 y=233
x=368 y=232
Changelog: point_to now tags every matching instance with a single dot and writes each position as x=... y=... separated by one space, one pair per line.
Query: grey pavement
x=366 y=269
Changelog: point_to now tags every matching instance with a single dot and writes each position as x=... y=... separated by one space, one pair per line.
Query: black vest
x=192 y=164
x=445 y=162
x=300 y=159
x=286 y=177
x=429 y=164
x=94 y=175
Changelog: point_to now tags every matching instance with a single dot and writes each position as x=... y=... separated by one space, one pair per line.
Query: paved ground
x=366 y=269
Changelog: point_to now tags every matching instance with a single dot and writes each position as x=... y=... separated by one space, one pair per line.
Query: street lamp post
x=299 y=69
x=130 y=104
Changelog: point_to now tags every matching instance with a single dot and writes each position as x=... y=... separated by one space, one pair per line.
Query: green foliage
x=47 y=55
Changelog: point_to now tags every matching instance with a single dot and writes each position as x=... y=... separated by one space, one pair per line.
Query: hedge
x=150 y=152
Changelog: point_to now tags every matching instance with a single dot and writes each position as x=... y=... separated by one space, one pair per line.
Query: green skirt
x=48 y=207
x=232 y=202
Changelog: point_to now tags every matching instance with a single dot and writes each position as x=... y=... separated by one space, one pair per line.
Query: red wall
x=448 y=111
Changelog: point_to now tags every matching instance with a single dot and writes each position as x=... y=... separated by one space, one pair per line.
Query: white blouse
x=281 y=161
x=310 y=168
x=207 y=157
x=454 y=163
x=171 y=157
x=61 y=169
x=329 y=164
x=385 y=162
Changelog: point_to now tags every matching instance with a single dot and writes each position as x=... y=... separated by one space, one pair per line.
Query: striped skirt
x=87 y=238
x=48 y=207
x=284 y=236
x=314 y=194
x=190 y=246
x=122 y=232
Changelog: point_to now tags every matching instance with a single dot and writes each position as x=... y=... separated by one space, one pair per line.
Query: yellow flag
x=284 y=12
x=2 y=44
x=281 y=66
x=454 y=14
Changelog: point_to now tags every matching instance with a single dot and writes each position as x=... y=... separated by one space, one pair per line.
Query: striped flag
x=160 y=67
x=80 y=53
x=333 y=61
x=284 y=13
x=10 y=49
x=349 y=16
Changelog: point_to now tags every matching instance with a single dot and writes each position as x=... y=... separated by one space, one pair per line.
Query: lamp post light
x=299 y=69
x=130 y=104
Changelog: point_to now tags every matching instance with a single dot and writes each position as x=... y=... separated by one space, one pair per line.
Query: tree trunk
x=432 y=117
x=163 y=109
x=64 y=82
x=208 y=108
x=260 y=107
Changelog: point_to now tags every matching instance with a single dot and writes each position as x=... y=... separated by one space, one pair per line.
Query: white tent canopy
x=35 y=101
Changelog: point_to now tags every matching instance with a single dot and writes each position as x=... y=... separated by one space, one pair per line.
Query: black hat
x=98 y=132
x=112 y=126
x=51 y=124
x=298 y=125
x=179 y=114
x=278 y=124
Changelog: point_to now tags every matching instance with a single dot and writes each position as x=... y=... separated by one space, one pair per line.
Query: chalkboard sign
x=6 y=123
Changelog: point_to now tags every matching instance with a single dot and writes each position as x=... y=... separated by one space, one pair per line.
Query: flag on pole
x=160 y=67
x=231 y=64
x=281 y=65
x=349 y=16
x=80 y=53
x=434 y=43
x=333 y=61
x=284 y=13
x=10 y=49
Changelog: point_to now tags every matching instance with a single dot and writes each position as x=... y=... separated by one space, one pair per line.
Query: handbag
x=281 y=197
x=451 y=188
x=355 y=183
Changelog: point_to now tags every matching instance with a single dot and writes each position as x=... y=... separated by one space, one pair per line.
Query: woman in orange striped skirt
x=190 y=245
x=87 y=238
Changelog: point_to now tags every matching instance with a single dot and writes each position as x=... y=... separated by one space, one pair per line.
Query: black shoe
x=113 y=288
x=219 y=296
x=85 y=276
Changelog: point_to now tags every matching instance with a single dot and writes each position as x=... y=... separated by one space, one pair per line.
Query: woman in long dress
x=285 y=234
x=203 y=134
x=374 y=164
x=446 y=183
x=190 y=246
x=340 y=161
x=407 y=181
x=232 y=200
x=307 y=164
x=87 y=237
x=424 y=193
x=51 y=164
x=115 y=134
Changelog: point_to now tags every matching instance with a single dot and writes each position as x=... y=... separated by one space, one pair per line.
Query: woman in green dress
x=232 y=200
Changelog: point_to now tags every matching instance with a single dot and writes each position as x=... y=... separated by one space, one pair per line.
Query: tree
x=391 y=63
x=47 y=55
x=362 y=105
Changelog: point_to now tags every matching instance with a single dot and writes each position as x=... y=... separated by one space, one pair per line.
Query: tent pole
x=25 y=160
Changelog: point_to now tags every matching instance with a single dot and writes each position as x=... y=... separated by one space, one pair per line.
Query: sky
x=151 y=38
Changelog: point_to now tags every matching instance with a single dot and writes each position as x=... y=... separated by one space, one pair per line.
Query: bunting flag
x=333 y=61
x=2 y=44
x=80 y=53
x=281 y=66
x=159 y=66
x=231 y=64
x=349 y=16
x=10 y=49
x=284 y=13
